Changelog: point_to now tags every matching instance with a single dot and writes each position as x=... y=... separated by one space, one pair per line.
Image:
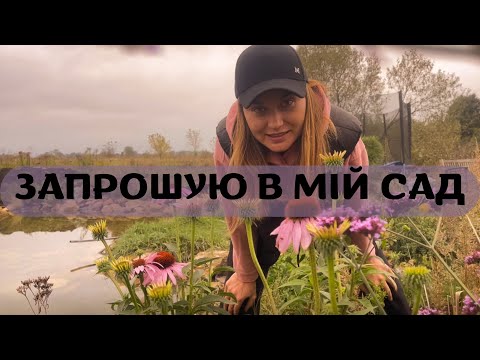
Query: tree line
x=445 y=115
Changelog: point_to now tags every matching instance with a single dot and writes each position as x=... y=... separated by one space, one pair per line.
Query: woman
x=282 y=118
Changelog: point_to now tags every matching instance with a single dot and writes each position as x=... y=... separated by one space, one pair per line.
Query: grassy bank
x=161 y=234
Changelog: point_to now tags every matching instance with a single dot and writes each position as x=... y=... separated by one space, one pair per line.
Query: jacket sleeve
x=242 y=260
x=359 y=156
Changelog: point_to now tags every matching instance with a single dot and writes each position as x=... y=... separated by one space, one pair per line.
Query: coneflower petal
x=283 y=244
x=162 y=274
x=177 y=269
x=171 y=276
x=278 y=229
x=306 y=237
x=149 y=275
x=297 y=236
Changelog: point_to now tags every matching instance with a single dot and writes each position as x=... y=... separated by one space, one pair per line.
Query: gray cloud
x=74 y=97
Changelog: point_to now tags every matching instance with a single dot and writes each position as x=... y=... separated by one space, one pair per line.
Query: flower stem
x=109 y=251
x=339 y=279
x=248 y=226
x=332 y=282
x=416 y=303
x=115 y=282
x=367 y=285
x=177 y=237
x=316 y=289
x=440 y=258
x=448 y=268
x=182 y=291
x=212 y=224
x=132 y=293
x=164 y=307
x=34 y=313
x=146 y=300
x=473 y=228
x=192 y=259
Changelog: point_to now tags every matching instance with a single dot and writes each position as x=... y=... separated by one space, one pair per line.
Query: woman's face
x=276 y=119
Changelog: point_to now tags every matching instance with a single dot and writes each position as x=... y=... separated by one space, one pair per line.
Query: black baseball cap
x=266 y=67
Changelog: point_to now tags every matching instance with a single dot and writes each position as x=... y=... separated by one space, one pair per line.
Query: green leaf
x=202 y=261
x=323 y=270
x=296 y=282
x=367 y=304
x=363 y=312
x=204 y=287
x=181 y=306
x=197 y=275
x=181 y=303
x=325 y=294
x=220 y=269
x=345 y=301
x=200 y=309
x=227 y=294
x=305 y=292
x=290 y=302
x=171 y=247
x=211 y=299
x=218 y=310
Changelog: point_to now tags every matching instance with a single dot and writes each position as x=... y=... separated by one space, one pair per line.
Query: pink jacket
x=242 y=261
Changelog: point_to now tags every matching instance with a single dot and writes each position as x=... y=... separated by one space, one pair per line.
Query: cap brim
x=298 y=87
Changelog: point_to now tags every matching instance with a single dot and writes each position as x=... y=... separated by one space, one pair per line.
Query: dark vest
x=349 y=130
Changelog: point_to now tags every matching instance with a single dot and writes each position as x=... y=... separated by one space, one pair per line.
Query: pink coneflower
x=293 y=230
x=158 y=267
x=139 y=266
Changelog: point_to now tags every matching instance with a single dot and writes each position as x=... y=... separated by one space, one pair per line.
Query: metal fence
x=467 y=163
x=393 y=126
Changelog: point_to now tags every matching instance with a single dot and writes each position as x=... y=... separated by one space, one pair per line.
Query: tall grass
x=161 y=235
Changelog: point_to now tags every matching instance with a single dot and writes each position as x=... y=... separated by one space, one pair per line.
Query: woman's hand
x=379 y=279
x=242 y=291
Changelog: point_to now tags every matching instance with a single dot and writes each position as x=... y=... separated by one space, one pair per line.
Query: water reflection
x=29 y=255
x=10 y=223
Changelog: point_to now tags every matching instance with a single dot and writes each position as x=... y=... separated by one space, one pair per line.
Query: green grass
x=154 y=235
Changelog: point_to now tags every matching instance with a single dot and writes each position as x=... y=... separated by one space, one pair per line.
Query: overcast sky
x=73 y=97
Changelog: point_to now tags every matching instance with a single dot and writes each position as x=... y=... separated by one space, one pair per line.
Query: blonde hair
x=314 y=139
x=317 y=130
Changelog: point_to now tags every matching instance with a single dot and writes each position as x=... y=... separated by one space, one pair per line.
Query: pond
x=34 y=247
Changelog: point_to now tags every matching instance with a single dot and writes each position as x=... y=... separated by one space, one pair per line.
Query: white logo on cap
x=297 y=70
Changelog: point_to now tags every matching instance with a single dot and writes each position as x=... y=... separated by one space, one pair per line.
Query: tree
x=430 y=94
x=55 y=153
x=159 y=144
x=466 y=110
x=213 y=141
x=194 y=140
x=129 y=151
x=430 y=143
x=374 y=150
x=109 y=148
x=353 y=79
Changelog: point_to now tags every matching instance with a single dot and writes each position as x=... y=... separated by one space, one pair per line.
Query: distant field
x=11 y=161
